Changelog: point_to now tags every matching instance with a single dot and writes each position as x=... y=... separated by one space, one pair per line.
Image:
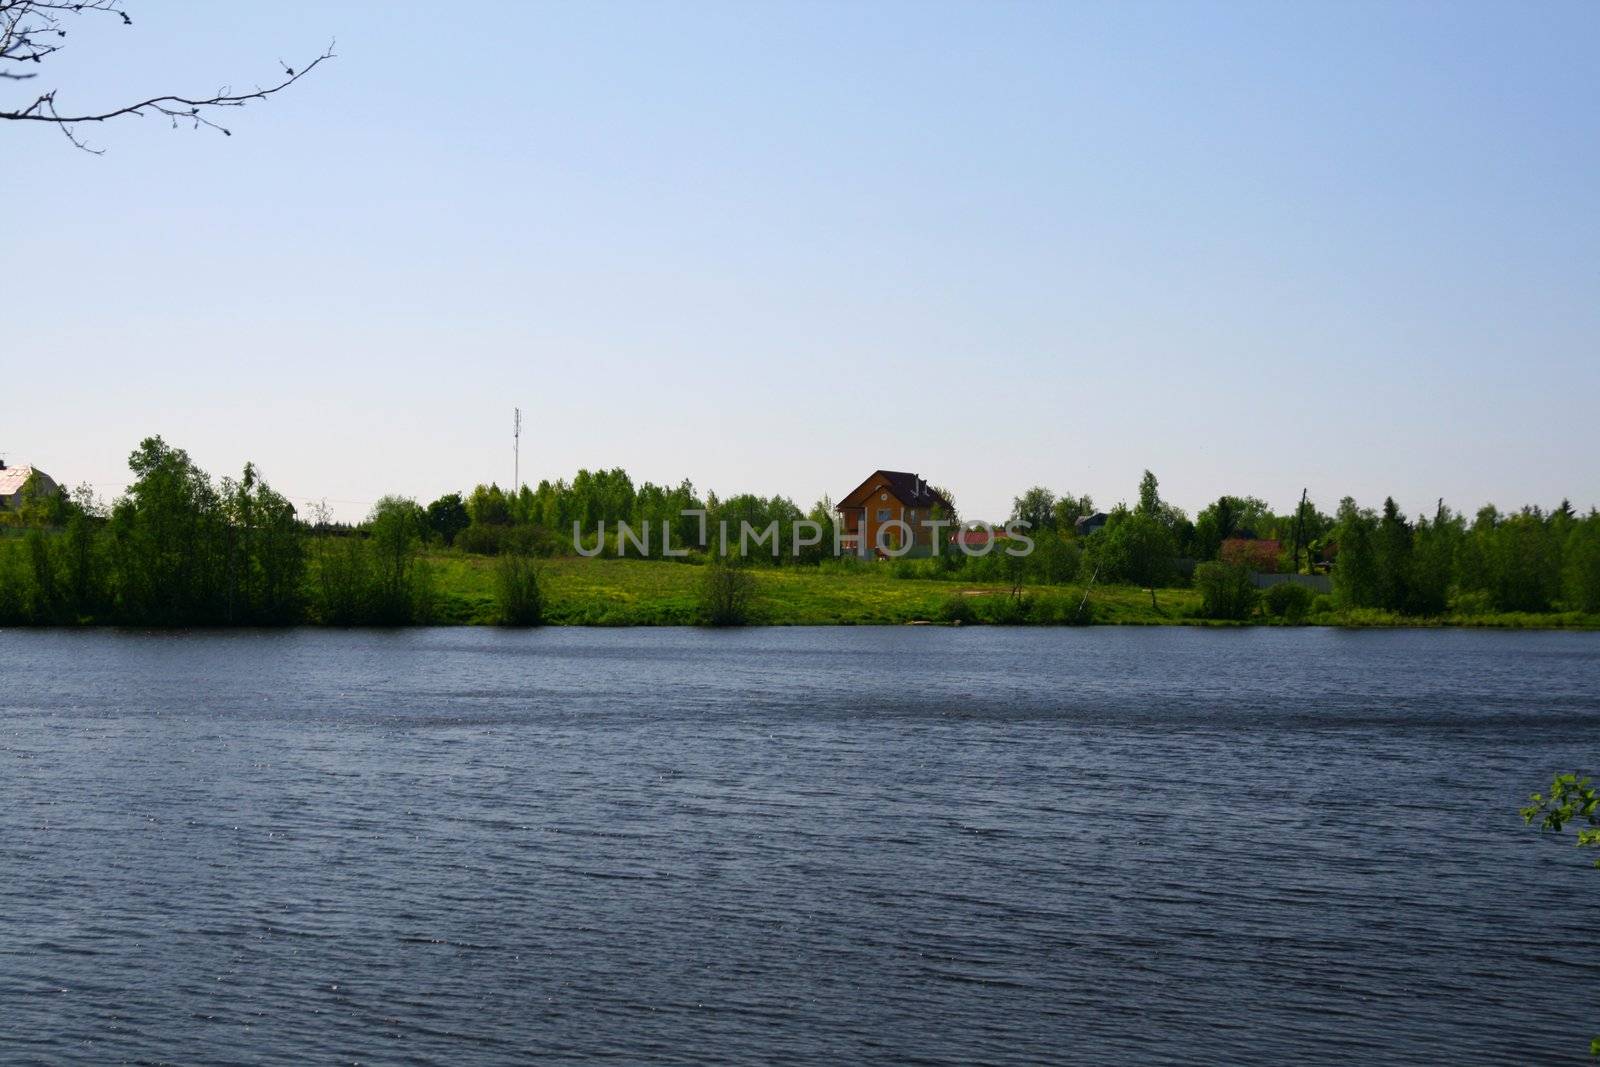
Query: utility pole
x=516 y=451
x=1299 y=518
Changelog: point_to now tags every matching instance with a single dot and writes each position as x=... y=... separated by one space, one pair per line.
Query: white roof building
x=12 y=479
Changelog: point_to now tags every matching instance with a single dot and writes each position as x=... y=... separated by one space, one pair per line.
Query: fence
x=1318 y=583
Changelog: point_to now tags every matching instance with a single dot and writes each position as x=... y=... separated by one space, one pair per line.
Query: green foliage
x=1012 y=609
x=180 y=552
x=1355 y=578
x=1582 y=565
x=1515 y=559
x=487 y=506
x=1069 y=509
x=1392 y=545
x=342 y=591
x=1055 y=609
x=517 y=590
x=1149 y=496
x=1230 y=516
x=266 y=561
x=167 y=536
x=447 y=517
x=957 y=609
x=1572 y=799
x=1225 y=590
x=1386 y=562
x=1036 y=507
x=1055 y=558
x=83 y=569
x=1288 y=601
x=15 y=606
x=1136 y=547
x=481 y=540
x=1432 y=569
x=179 y=549
x=823 y=515
x=400 y=590
x=727 y=591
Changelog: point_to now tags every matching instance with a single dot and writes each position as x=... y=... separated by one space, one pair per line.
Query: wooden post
x=1299 y=518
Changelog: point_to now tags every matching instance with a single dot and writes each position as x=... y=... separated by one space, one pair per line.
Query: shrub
x=517 y=591
x=16 y=580
x=343 y=588
x=1068 y=609
x=1010 y=610
x=1225 y=591
x=400 y=590
x=957 y=609
x=1322 y=604
x=480 y=540
x=1473 y=602
x=424 y=594
x=726 y=593
x=1288 y=601
x=1052 y=609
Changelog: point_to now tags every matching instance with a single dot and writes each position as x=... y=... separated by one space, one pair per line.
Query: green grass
x=616 y=592
x=613 y=592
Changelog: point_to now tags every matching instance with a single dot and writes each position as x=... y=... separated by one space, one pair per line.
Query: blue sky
x=772 y=247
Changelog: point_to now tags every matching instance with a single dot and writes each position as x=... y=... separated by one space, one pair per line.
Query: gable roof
x=906 y=487
x=12 y=479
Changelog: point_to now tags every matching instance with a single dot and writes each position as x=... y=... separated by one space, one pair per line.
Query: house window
x=883 y=514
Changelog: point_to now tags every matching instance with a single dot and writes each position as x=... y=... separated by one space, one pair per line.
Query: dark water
x=834 y=846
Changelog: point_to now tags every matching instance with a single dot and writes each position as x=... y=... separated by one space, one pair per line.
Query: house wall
x=921 y=537
x=881 y=508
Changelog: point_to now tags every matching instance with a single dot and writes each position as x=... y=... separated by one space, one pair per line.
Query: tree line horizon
x=180 y=548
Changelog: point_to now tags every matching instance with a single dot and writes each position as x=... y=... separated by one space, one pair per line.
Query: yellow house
x=889 y=498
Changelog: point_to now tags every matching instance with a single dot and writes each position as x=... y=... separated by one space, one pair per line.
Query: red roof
x=977 y=537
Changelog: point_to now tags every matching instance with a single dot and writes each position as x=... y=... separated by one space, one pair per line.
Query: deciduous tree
x=32 y=31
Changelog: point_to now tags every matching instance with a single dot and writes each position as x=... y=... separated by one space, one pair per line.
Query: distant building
x=978 y=538
x=1088 y=524
x=13 y=479
x=888 y=498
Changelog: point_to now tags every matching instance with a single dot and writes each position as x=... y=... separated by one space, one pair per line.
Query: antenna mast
x=516 y=451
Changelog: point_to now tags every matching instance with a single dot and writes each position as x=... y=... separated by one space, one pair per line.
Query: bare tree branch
x=30 y=32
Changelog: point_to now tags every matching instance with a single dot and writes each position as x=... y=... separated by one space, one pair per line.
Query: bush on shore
x=517 y=593
x=1225 y=591
x=1288 y=601
x=727 y=592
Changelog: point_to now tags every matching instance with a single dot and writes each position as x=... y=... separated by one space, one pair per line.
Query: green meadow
x=626 y=592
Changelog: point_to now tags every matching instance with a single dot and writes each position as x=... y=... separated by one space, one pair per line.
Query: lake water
x=902 y=845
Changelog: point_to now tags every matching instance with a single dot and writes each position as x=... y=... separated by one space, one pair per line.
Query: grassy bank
x=612 y=592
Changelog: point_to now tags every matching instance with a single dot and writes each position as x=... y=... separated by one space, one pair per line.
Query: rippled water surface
x=834 y=846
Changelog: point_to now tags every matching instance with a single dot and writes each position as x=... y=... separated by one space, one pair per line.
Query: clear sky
x=772 y=247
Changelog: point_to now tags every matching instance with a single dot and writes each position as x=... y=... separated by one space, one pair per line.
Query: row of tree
x=542 y=519
x=1528 y=561
x=180 y=549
